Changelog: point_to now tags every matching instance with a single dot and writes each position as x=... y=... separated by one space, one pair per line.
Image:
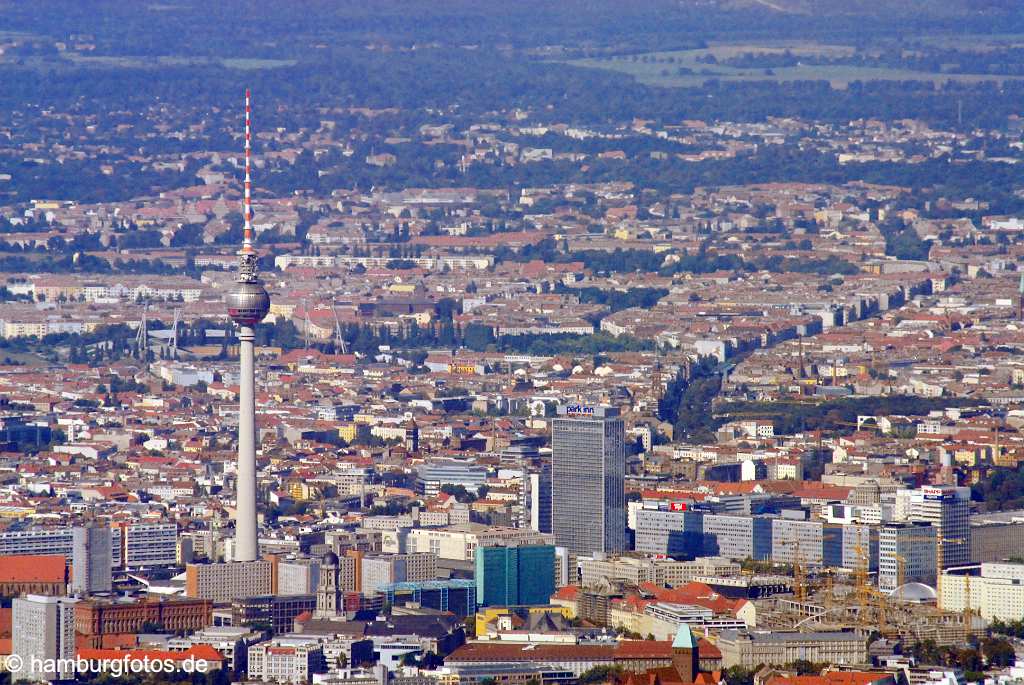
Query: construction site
x=838 y=599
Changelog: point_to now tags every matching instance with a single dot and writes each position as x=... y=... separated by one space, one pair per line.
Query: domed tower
x=248 y=304
x=329 y=598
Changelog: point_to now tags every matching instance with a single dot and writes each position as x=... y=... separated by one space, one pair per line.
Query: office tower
x=947 y=508
x=860 y=545
x=42 y=632
x=248 y=304
x=906 y=554
x=90 y=560
x=672 y=533
x=796 y=540
x=515 y=576
x=379 y=571
x=588 y=471
x=298 y=576
x=224 y=582
x=148 y=544
x=737 y=537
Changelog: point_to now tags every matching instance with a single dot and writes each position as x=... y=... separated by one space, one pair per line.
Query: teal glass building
x=515 y=576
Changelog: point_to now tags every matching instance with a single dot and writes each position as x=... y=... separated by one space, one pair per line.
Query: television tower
x=248 y=304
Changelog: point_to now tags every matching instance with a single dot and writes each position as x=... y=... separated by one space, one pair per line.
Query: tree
x=598 y=674
x=738 y=675
x=998 y=652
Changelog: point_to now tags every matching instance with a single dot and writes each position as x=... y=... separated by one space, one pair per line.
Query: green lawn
x=662 y=68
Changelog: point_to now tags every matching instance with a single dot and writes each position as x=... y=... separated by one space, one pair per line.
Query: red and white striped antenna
x=247 y=230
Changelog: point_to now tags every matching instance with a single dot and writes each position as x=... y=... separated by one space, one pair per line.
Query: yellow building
x=301 y=491
x=489 y=616
x=348 y=432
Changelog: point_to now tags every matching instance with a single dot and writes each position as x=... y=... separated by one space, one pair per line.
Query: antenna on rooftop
x=247 y=227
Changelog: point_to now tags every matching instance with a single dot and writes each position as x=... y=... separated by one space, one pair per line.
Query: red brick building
x=39 y=574
x=95 y=619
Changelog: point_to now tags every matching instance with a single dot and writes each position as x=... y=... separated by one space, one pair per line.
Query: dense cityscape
x=439 y=344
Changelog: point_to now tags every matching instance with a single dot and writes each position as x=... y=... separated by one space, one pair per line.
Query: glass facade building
x=588 y=472
x=515 y=576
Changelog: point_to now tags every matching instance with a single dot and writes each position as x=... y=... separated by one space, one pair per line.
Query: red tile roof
x=32 y=568
x=833 y=678
x=199 y=652
x=569 y=592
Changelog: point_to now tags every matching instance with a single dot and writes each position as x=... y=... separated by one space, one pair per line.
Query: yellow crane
x=860 y=583
x=799 y=573
x=940 y=542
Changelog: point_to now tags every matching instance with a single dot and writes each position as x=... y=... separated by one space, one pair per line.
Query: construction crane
x=799 y=572
x=860 y=583
x=940 y=542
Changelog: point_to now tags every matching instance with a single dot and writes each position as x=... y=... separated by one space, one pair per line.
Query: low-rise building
x=755 y=648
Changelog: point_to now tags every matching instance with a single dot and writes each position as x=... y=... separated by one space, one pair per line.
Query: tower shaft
x=248 y=304
x=246 y=542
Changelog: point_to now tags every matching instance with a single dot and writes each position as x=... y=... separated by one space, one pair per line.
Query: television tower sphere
x=248 y=303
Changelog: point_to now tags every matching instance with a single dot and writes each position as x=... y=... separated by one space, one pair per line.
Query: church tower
x=685 y=657
x=330 y=602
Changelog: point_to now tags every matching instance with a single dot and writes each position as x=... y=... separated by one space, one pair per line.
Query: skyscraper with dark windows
x=588 y=472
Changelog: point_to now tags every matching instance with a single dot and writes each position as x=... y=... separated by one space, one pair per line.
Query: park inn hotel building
x=588 y=471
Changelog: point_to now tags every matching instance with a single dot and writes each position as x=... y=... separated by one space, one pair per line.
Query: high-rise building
x=147 y=544
x=43 y=637
x=90 y=560
x=673 y=533
x=737 y=537
x=588 y=471
x=298 y=576
x=132 y=545
x=947 y=508
x=514 y=576
x=248 y=304
x=906 y=553
x=223 y=582
x=378 y=571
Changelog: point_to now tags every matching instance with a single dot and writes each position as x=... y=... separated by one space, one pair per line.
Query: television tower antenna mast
x=248 y=304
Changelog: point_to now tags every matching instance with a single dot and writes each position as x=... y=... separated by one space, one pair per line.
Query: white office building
x=43 y=634
x=947 y=508
x=997 y=593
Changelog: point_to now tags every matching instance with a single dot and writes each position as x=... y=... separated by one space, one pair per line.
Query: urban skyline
x=677 y=342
